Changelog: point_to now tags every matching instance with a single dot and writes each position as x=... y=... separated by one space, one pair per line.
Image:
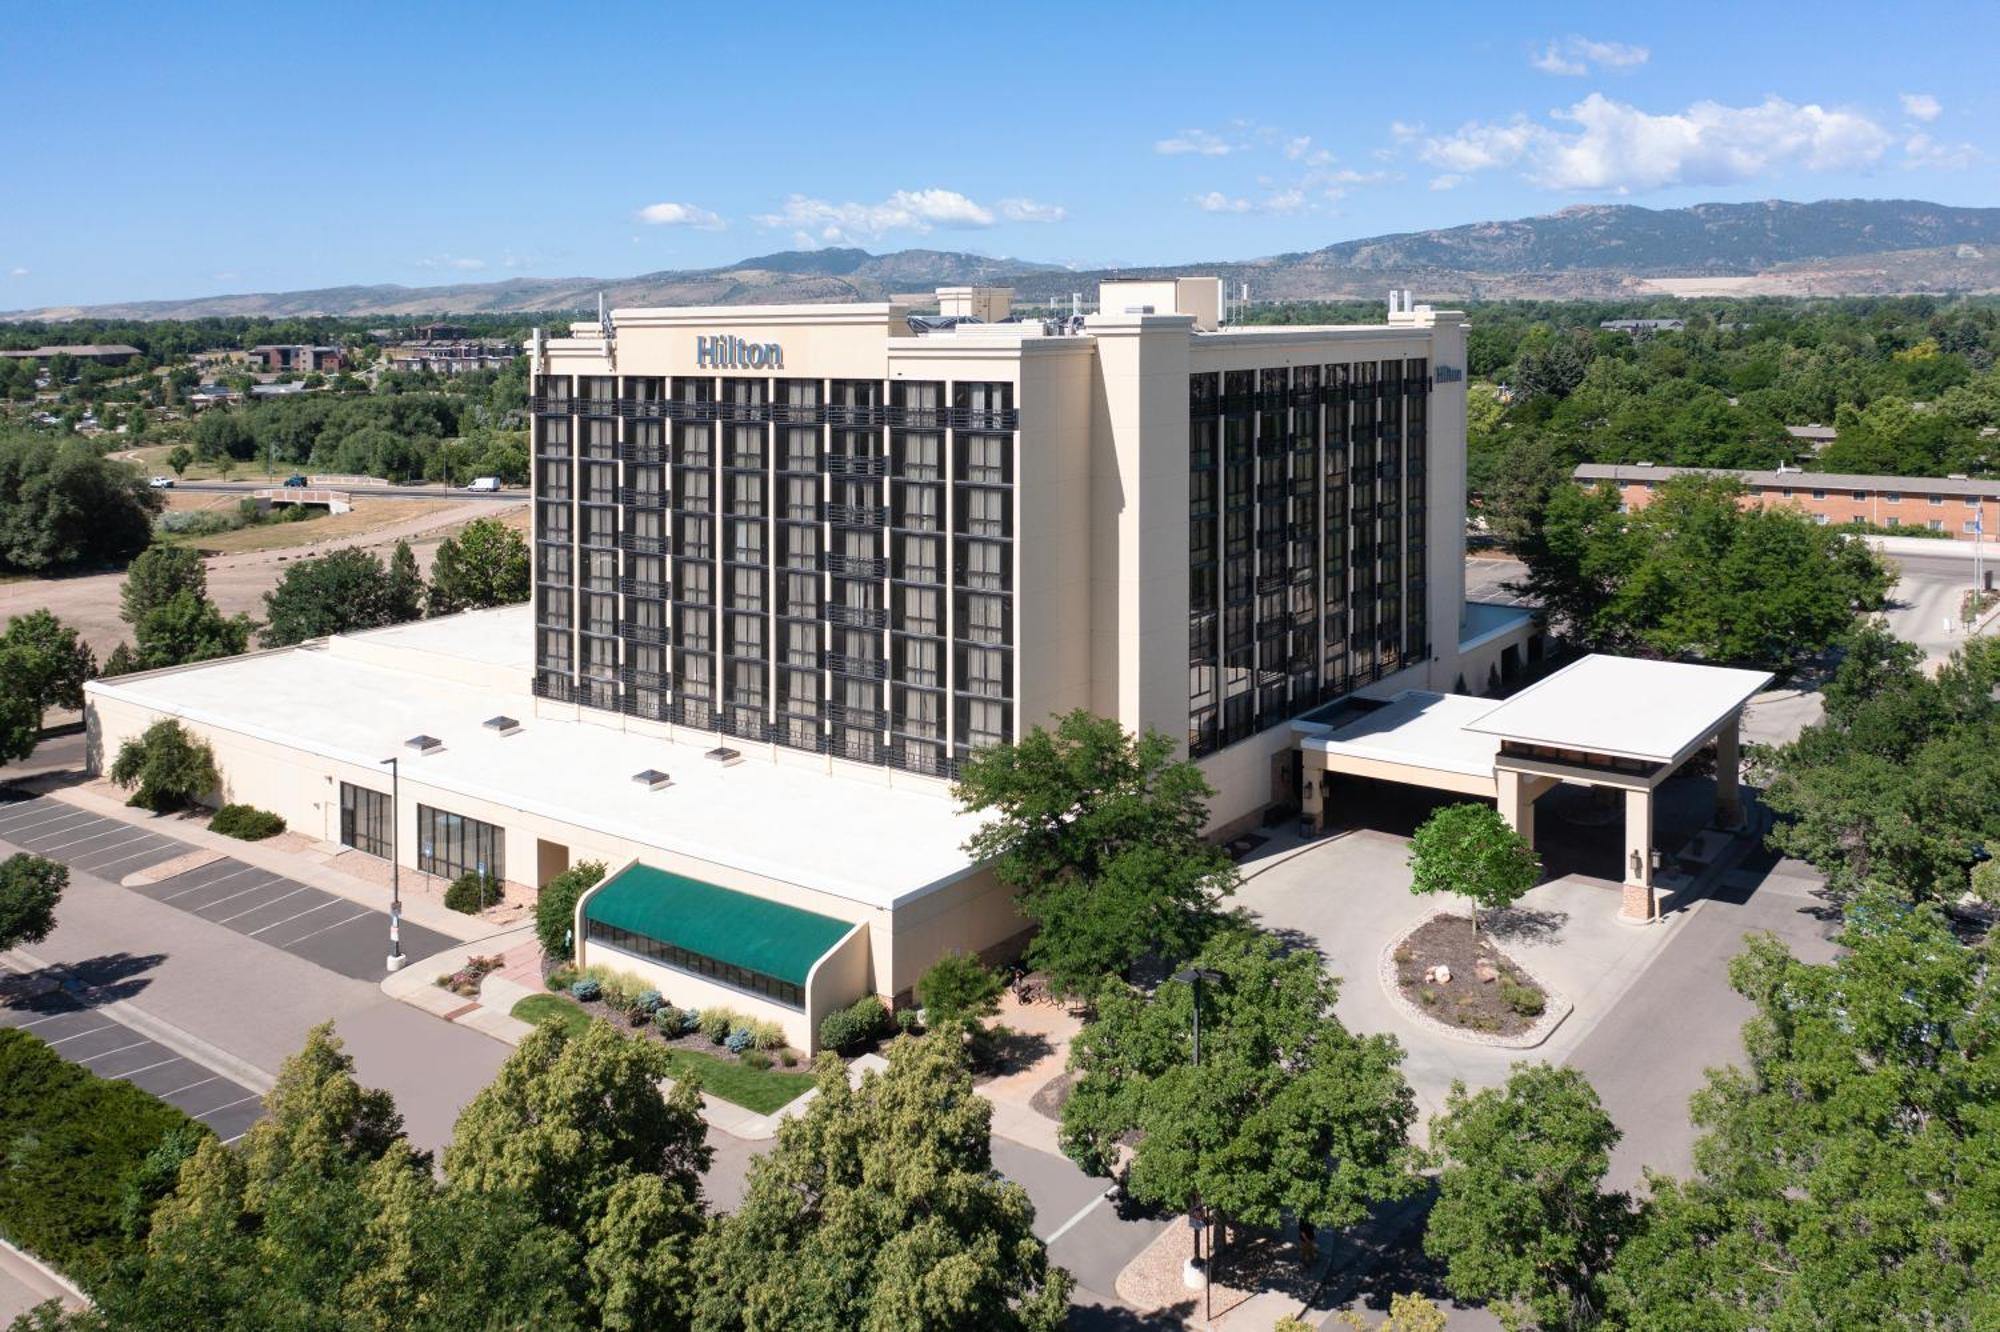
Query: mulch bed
x=1466 y=1000
x=1048 y=1101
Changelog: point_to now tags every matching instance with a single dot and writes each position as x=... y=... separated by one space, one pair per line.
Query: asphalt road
x=371 y=492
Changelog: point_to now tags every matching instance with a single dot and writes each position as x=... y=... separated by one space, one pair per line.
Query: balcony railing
x=839 y=464
x=858 y=617
x=863 y=668
x=636 y=587
x=857 y=515
x=854 y=566
x=645 y=633
x=849 y=417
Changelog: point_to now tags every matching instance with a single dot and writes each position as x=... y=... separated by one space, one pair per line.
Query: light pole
x=1193 y=977
x=396 y=958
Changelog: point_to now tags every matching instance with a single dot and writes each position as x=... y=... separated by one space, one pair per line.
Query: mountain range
x=1605 y=251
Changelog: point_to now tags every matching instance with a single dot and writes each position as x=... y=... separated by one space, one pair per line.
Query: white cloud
x=463 y=263
x=1447 y=182
x=17 y=272
x=1922 y=151
x=1027 y=210
x=1300 y=149
x=1402 y=131
x=1575 y=56
x=1922 y=106
x=829 y=223
x=1599 y=144
x=680 y=215
x=1215 y=201
x=1200 y=143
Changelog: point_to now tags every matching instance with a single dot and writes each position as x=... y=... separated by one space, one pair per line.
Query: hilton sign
x=723 y=352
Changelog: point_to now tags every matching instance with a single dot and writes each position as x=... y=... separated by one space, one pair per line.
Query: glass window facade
x=366 y=820
x=451 y=845
x=800 y=561
x=697 y=964
x=1307 y=525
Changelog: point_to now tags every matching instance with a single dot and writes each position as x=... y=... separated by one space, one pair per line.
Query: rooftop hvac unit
x=652 y=779
x=501 y=725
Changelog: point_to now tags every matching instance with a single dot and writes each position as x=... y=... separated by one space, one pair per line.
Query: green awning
x=735 y=928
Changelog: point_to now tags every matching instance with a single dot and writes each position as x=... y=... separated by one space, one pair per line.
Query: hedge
x=472 y=893
x=73 y=1158
x=865 y=1020
x=246 y=823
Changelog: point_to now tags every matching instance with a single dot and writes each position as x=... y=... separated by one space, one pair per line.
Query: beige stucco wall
x=836 y=981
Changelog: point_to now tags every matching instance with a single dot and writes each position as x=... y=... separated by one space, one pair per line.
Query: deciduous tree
x=166 y=768
x=486 y=564
x=880 y=1208
x=30 y=887
x=1288 y=1112
x=335 y=593
x=1469 y=849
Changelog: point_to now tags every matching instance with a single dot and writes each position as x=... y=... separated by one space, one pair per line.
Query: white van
x=484 y=483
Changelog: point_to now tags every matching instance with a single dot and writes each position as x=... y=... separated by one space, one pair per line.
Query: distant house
x=452 y=357
x=1957 y=505
x=211 y=395
x=112 y=353
x=275 y=357
x=1816 y=435
x=1639 y=328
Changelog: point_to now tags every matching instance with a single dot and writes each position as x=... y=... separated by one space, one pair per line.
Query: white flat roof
x=503 y=636
x=1418 y=729
x=1624 y=706
x=853 y=836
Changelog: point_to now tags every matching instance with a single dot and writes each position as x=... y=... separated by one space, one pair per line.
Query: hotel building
x=794 y=564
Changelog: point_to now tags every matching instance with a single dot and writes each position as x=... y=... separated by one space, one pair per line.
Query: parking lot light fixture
x=396 y=958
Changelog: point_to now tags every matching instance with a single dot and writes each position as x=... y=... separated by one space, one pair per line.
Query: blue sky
x=160 y=151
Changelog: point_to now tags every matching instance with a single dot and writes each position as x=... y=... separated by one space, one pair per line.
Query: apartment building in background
x=1957 y=506
x=278 y=357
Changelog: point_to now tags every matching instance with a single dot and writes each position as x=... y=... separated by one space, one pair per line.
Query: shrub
x=737 y=1041
x=668 y=1019
x=615 y=996
x=958 y=988
x=81 y=1175
x=787 y=1058
x=908 y=1022
x=856 y=1025
x=472 y=893
x=716 y=1024
x=649 y=1000
x=167 y=768
x=767 y=1035
x=246 y=823
x=636 y=1016
x=691 y=1020
x=585 y=990
x=756 y=1059
x=1523 y=999
x=555 y=908
x=561 y=978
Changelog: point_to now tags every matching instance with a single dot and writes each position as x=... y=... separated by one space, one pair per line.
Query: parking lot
x=88 y=1036
x=333 y=931
x=82 y=840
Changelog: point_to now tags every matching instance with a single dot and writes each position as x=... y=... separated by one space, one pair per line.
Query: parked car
x=161 y=483
x=295 y=482
x=484 y=483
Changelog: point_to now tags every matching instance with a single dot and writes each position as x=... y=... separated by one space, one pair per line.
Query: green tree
x=555 y=906
x=30 y=887
x=486 y=564
x=880 y=1208
x=570 y=1118
x=404 y=599
x=180 y=458
x=958 y=988
x=1288 y=1111
x=63 y=504
x=156 y=577
x=188 y=629
x=169 y=768
x=1469 y=849
x=1100 y=834
x=1522 y=1221
x=43 y=665
x=1843 y=1178
x=335 y=593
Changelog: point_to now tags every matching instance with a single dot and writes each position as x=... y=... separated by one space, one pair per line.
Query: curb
x=183 y=1043
x=1544 y=1027
x=67 y=1291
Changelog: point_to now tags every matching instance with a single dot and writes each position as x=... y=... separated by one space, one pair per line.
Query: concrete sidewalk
x=308 y=866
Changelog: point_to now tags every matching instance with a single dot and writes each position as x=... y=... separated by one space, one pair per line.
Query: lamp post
x=1193 y=977
x=396 y=958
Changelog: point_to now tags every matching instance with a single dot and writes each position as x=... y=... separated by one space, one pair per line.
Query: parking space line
x=135 y=835
x=21 y=831
x=60 y=1040
x=86 y=840
x=137 y=839
x=231 y=897
x=131 y=1073
x=209 y=883
x=50 y=1018
x=162 y=849
x=324 y=928
x=199 y=1082
x=35 y=811
x=120 y=1050
x=224 y=920
x=220 y=1108
x=332 y=901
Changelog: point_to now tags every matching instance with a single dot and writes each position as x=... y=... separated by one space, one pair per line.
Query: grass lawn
x=540 y=1008
x=762 y=1090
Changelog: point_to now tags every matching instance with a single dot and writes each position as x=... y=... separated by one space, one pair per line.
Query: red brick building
x=1950 y=504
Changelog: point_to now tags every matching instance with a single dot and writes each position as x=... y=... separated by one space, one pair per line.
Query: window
x=1893 y=496
x=1937 y=501
x=1937 y=524
x=672 y=955
x=1892 y=522
x=1819 y=494
x=364 y=820
x=451 y=845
